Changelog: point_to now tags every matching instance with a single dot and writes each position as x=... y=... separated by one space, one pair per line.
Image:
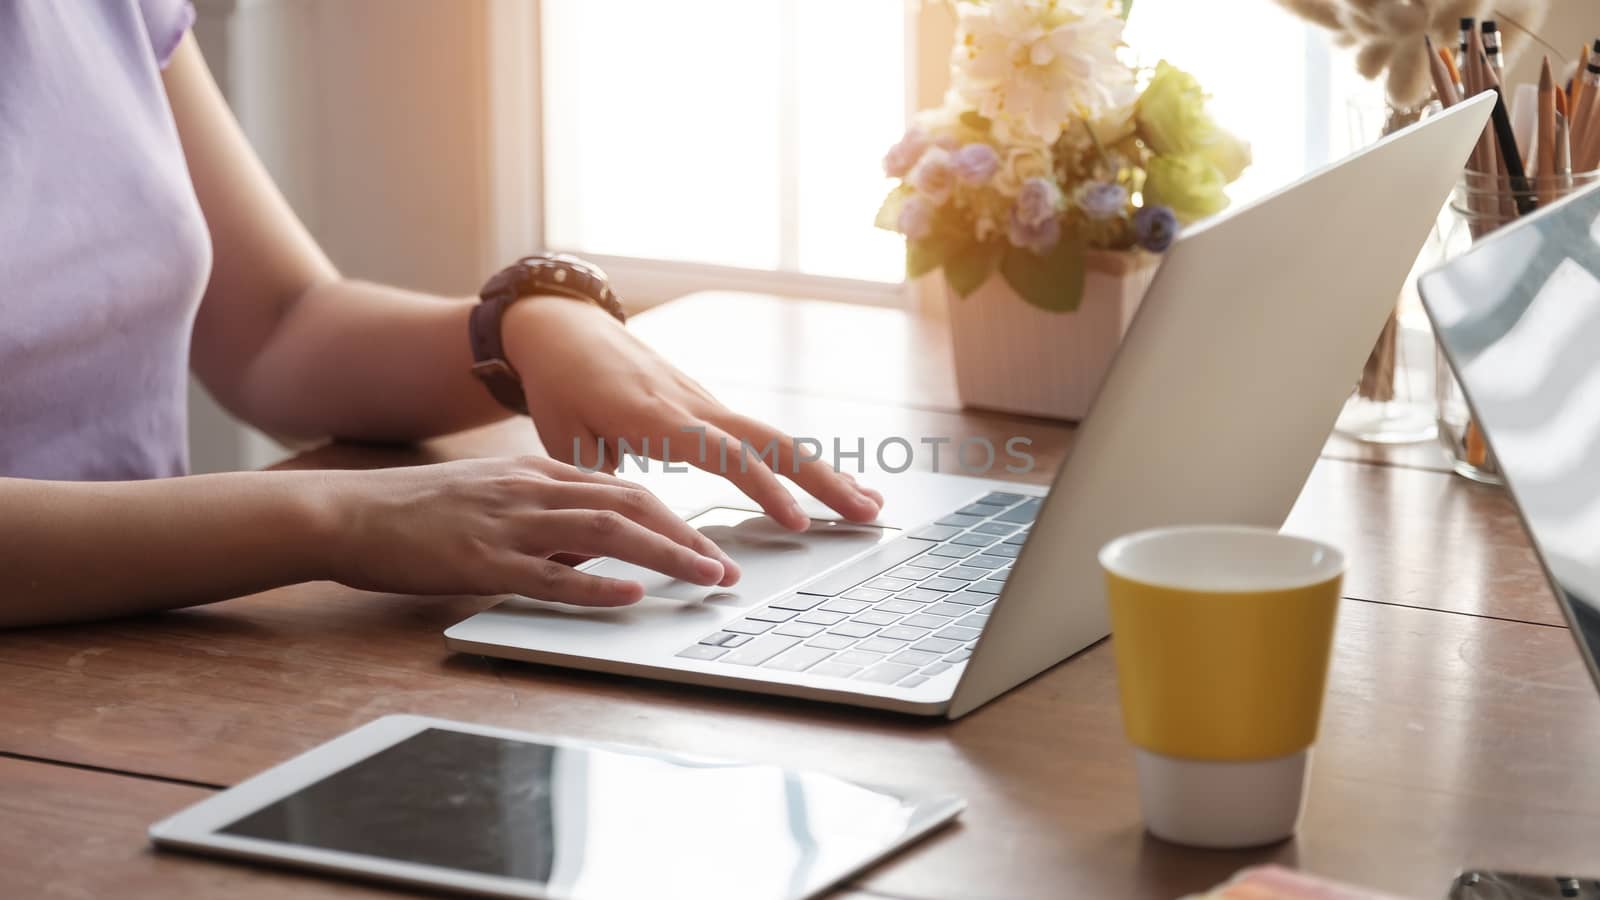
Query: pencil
x=1443 y=84
x=1575 y=86
x=1477 y=451
x=1585 y=130
x=1455 y=73
x=1583 y=93
x=1498 y=204
x=1563 y=141
x=1545 y=162
x=1563 y=156
x=1506 y=140
x=1507 y=143
x=1491 y=47
x=1483 y=197
x=1588 y=157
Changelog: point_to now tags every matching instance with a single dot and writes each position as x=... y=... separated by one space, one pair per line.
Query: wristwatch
x=542 y=275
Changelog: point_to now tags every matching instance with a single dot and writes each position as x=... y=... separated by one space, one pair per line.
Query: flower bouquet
x=1051 y=175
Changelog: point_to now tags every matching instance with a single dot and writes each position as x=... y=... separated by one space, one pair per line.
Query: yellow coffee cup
x=1222 y=636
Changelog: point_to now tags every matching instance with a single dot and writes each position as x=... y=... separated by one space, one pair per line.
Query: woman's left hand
x=590 y=383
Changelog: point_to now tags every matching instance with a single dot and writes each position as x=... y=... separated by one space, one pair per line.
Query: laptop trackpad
x=773 y=558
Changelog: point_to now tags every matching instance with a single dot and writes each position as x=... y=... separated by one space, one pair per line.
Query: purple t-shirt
x=103 y=250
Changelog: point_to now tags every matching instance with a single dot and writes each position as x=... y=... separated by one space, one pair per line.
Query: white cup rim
x=1301 y=562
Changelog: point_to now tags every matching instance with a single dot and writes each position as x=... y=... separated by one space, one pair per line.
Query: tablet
x=499 y=813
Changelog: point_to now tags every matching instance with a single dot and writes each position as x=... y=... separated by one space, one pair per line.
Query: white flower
x=1110 y=127
x=1032 y=66
x=1018 y=164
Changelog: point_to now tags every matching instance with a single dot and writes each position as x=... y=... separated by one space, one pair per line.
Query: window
x=1274 y=80
x=736 y=143
x=735 y=133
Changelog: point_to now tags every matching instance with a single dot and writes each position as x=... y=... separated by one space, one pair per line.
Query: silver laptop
x=1223 y=393
x=1518 y=317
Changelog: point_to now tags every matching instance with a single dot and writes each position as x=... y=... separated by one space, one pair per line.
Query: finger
x=819 y=479
x=556 y=470
x=542 y=579
x=628 y=498
x=604 y=532
x=870 y=492
x=722 y=456
x=643 y=507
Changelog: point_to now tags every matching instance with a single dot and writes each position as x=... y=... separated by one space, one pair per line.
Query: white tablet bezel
x=196 y=828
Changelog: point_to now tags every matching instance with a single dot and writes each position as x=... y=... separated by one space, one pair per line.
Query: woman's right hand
x=490 y=526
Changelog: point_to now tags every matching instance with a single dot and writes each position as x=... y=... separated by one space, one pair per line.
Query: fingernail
x=708 y=569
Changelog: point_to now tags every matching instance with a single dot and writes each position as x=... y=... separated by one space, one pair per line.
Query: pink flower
x=1038 y=200
x=1040 y=237
x=903 y=155
x=933 y=176
x=916 y=218
x=975 y=164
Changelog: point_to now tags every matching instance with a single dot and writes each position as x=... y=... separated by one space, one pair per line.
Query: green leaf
x=923 y=257
x=976 y=121
x=1052 y=282
x=965 y=272
x=1127 y=7
x=889 y=213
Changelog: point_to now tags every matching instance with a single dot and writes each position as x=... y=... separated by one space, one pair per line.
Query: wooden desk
x=1455 y=732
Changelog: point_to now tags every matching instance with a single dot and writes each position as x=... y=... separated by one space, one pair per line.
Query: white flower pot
x=1014 y=357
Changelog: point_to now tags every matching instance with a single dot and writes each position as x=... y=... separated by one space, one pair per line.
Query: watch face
x=578 y=263
x=566 y=274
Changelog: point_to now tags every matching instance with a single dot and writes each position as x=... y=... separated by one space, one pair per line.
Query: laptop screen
x=1519 y=318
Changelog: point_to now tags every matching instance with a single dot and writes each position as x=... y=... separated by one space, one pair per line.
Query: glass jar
x=1480 y=205
x=1393 y=402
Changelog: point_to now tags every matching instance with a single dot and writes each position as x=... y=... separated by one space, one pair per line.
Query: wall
x=1569 y=23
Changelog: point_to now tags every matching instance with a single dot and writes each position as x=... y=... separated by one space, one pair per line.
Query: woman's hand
x=590 y=383
x=490 y=526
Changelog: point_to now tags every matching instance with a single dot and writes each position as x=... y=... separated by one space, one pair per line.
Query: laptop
x=1247 y=343
x=1518 y=317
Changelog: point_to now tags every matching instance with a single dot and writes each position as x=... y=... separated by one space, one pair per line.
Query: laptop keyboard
x=901 y=614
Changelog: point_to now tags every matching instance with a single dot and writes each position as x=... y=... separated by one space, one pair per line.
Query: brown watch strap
x=489 y=355
x=558 y=274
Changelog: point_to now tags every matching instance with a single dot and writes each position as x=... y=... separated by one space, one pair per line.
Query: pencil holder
x=1482 y=204
x=1393 y=401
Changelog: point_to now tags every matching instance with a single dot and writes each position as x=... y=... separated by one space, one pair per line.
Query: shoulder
x=165 y=23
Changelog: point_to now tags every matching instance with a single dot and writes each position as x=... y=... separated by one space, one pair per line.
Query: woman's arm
x=288 y=345
x=87 y=550
x=281 y=339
